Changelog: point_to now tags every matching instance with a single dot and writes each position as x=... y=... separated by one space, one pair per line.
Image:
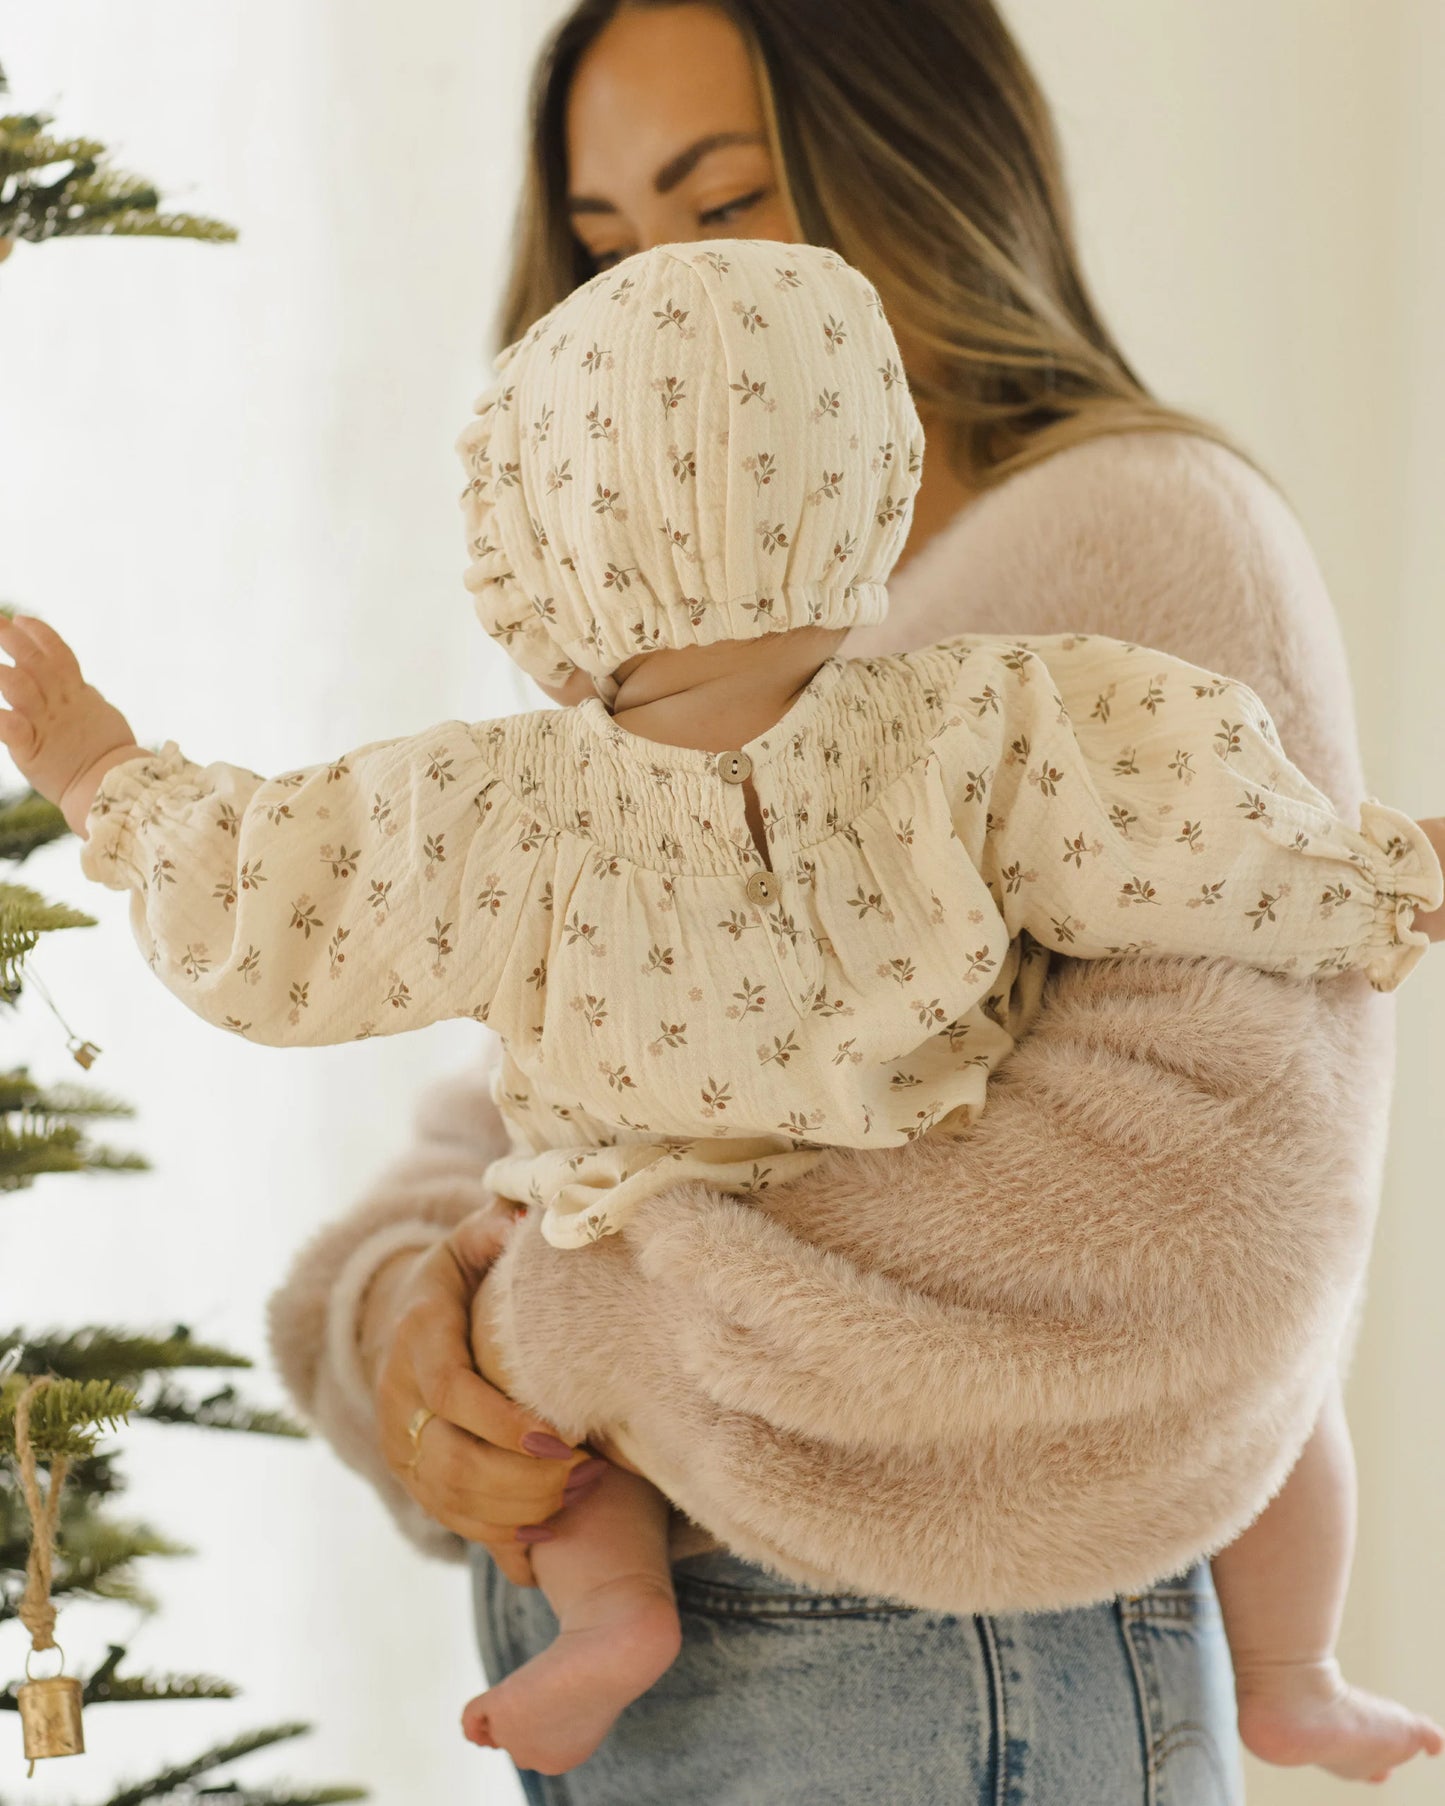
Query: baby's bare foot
x=555 y=1710
x=1296 y=1712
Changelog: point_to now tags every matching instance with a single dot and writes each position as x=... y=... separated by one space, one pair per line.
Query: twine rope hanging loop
x=37 y=1610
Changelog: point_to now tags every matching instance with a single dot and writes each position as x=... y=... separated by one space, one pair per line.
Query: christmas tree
x=62 y=188
x=77 y=1384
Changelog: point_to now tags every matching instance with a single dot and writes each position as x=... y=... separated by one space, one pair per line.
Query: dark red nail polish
x=535 y=1443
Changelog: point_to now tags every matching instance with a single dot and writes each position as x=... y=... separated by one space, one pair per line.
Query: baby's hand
x=1432 y=922
x=59 y=729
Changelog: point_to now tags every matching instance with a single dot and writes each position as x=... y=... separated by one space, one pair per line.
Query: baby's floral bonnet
x=706 y=442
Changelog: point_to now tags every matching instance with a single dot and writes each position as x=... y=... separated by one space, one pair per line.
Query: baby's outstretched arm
x=1117 y=800
x=332 y=903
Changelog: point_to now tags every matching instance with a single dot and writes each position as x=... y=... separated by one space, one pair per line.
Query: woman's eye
x=716 y=216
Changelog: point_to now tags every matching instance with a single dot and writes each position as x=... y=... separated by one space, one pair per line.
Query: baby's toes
x=475 y=1727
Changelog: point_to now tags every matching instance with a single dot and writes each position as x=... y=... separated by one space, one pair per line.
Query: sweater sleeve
x=1136 y=803
x=314 y=1315
x=366 y=896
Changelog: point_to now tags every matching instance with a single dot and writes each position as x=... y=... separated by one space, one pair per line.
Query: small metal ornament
x=50 y=1716
x=82 y=1052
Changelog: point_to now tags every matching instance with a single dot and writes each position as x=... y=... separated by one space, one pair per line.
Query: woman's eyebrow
x=676 y=170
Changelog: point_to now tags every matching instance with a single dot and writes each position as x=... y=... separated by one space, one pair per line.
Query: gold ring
x=420 y=1418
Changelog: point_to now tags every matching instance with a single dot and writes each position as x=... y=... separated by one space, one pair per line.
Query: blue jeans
x=787 y=1697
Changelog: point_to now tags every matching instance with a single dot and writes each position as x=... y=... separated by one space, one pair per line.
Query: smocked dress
x=675 y=1007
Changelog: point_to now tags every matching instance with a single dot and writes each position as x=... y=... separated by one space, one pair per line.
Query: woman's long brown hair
x=914 y=140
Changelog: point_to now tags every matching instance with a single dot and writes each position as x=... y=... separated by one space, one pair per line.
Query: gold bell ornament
x=49 y=1708
x=50 y=1715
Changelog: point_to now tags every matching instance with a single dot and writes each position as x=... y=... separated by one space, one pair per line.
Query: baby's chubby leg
x=606 y=1575
x=1281 y=1587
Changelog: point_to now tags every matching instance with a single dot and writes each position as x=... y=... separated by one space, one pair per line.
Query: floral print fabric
x=704 y=443
x=935 y=824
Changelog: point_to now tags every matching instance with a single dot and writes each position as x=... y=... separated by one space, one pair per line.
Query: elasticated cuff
x=1405 y=871
x=107 y=854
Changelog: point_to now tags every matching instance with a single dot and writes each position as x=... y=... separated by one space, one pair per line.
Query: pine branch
x=85 y=197
x=67 y=1418
x=221 y=1411
x=115 y=1354
x=171 y=1778
x=131 y=1689
x=107 y=1689
x=24 y=916
x=96 y=1353
x=95 y=1561
x=28 y=822
x=18 y=1091
x=284 y=1795
x=24 y=1157
x=96 y=1555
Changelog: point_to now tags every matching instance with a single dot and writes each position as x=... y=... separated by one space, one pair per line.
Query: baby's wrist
x=80 y=791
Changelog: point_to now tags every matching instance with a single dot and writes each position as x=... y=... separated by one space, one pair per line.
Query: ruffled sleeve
x=369 y=895
x=1124 y=801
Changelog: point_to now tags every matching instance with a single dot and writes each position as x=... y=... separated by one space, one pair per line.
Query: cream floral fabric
x=704 y=443
x=935 y=823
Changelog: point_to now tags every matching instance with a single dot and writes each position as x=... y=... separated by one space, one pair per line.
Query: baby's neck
x=718 y=697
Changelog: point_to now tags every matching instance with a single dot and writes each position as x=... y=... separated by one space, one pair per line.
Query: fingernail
x=536 y=1443
x=535 y=1533
x=571 y=1494
x=587 y=1470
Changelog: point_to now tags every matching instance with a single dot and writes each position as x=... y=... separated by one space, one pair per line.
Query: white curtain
x=227 y=474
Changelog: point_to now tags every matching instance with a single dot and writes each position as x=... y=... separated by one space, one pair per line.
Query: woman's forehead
x=652 y=87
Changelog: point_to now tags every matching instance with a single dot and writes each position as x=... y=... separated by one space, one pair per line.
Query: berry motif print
x=936 y=826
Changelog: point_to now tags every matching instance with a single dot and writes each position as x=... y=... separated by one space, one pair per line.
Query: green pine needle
x=67 y=1418
x=18 y=1091
x=115 y=1354
x=24 y=916
x=96 y=1556
x=63 y=188
x=284 y=1795
x=170 y=1779
x=25 y=1156
x=222 y=1411
x=27 y=822
x=131 y=1688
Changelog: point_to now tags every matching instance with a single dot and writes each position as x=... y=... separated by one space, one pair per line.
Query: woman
x=1057 y=495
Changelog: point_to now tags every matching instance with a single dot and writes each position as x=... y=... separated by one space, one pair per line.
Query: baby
x=795 y=902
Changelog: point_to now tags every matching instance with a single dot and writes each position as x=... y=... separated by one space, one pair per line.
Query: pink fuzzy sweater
x=1091 y=1347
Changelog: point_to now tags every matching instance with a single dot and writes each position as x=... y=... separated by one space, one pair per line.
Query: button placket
x=761 y=886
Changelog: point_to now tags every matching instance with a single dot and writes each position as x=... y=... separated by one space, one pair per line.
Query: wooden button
x=733 y=767
x=761 y=887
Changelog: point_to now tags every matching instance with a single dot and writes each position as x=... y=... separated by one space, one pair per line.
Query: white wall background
x=227 y=473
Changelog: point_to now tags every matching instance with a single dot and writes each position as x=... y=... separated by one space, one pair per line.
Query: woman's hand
x=477 y=1469
x=59 y=729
